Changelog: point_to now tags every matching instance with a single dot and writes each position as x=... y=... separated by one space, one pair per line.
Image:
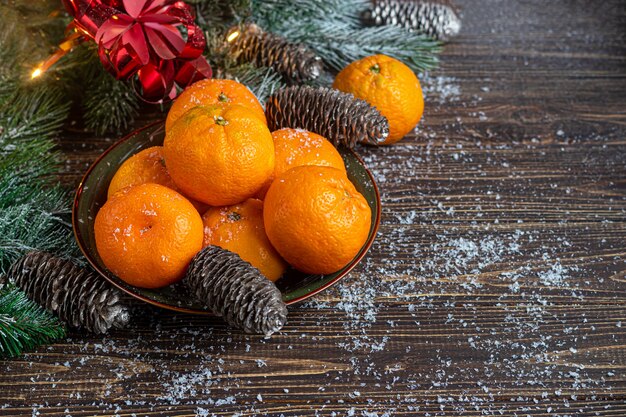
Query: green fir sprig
x=33 y=206
x=276 y=15
x=110 y=105
x=32 y=113
x=107 y=104
x=261 y=81
x=32 y=203
x=416 y=51
x=333 y=28
x=24 y=325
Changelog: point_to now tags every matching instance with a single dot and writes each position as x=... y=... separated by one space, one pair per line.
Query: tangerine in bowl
x=91 y=195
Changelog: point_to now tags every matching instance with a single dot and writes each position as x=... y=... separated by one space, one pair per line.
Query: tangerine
x=390 y=86
x=316 y=219
x=296 y=147
x=214 y=92
x=147 y=166
x=240 y=229
x=219 y=155
x=147 y=235
x=143 y=167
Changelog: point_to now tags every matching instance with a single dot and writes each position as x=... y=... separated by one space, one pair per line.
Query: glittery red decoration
x=155 y=42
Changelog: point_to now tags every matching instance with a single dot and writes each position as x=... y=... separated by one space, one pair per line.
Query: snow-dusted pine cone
x=436 y=20
x=339 y=117
x=76 y=295
x=235 y=290
x=294 y=61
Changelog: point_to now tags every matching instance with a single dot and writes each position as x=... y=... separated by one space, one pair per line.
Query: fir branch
x=25 y=228
x=31 y=200
x=277 y=15
x=220 y=14
x=23 y=324
x=32 y=112
x=28 y=109
x=109 y=105
x=334 y=30
x=340 y=44
x=31 y=115
x=263 y=82
x=18 y=169
x=32 y=203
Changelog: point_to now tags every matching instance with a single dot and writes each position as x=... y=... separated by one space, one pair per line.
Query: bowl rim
x=81 y=243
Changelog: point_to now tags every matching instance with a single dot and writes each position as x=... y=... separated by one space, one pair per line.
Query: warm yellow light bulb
x=233 y=36
x=36 y=73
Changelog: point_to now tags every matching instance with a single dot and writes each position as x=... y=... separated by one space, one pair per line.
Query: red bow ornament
x=157 y=40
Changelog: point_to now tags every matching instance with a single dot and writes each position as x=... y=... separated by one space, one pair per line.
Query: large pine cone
x=294 y=61
x=235 y=290
x=78 y=296
x=339 y=117
x=435 y=20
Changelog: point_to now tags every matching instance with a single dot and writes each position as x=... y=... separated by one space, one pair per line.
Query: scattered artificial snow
x=411 y=317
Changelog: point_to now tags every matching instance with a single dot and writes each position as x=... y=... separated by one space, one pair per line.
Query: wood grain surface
x=496 y=286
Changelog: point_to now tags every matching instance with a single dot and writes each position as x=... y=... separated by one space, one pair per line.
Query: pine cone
x=436 y=20
x=76 y=295
x=235 y=290
x=294 y=61
x=339 y=117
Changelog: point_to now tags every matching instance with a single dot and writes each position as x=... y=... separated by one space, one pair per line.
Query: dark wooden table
x=497 y=284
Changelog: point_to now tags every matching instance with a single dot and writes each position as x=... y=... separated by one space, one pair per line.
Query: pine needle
x=340 y=44
x=276 y=15
x=33 y=206
x=24 y=325
x=220 y=14
x=110 y=105
x=333 y=28
x=261 y=81
x=32 y=112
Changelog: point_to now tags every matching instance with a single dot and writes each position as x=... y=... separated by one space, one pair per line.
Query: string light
x=234 y=35
x=64 y=47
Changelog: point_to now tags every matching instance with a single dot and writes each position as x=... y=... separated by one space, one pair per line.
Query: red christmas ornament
x=156 y=40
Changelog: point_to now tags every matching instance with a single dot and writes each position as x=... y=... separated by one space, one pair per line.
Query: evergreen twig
x=276 y=15
x=32 y=112
x=340 y=44
x=23 y=324
x=31 y=115
x=220 y=14
x=334 y=30
x=31 y=200
x=110 y=105
x=263 y=82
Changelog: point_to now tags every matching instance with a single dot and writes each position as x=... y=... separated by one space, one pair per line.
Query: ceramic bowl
x=92 y=193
